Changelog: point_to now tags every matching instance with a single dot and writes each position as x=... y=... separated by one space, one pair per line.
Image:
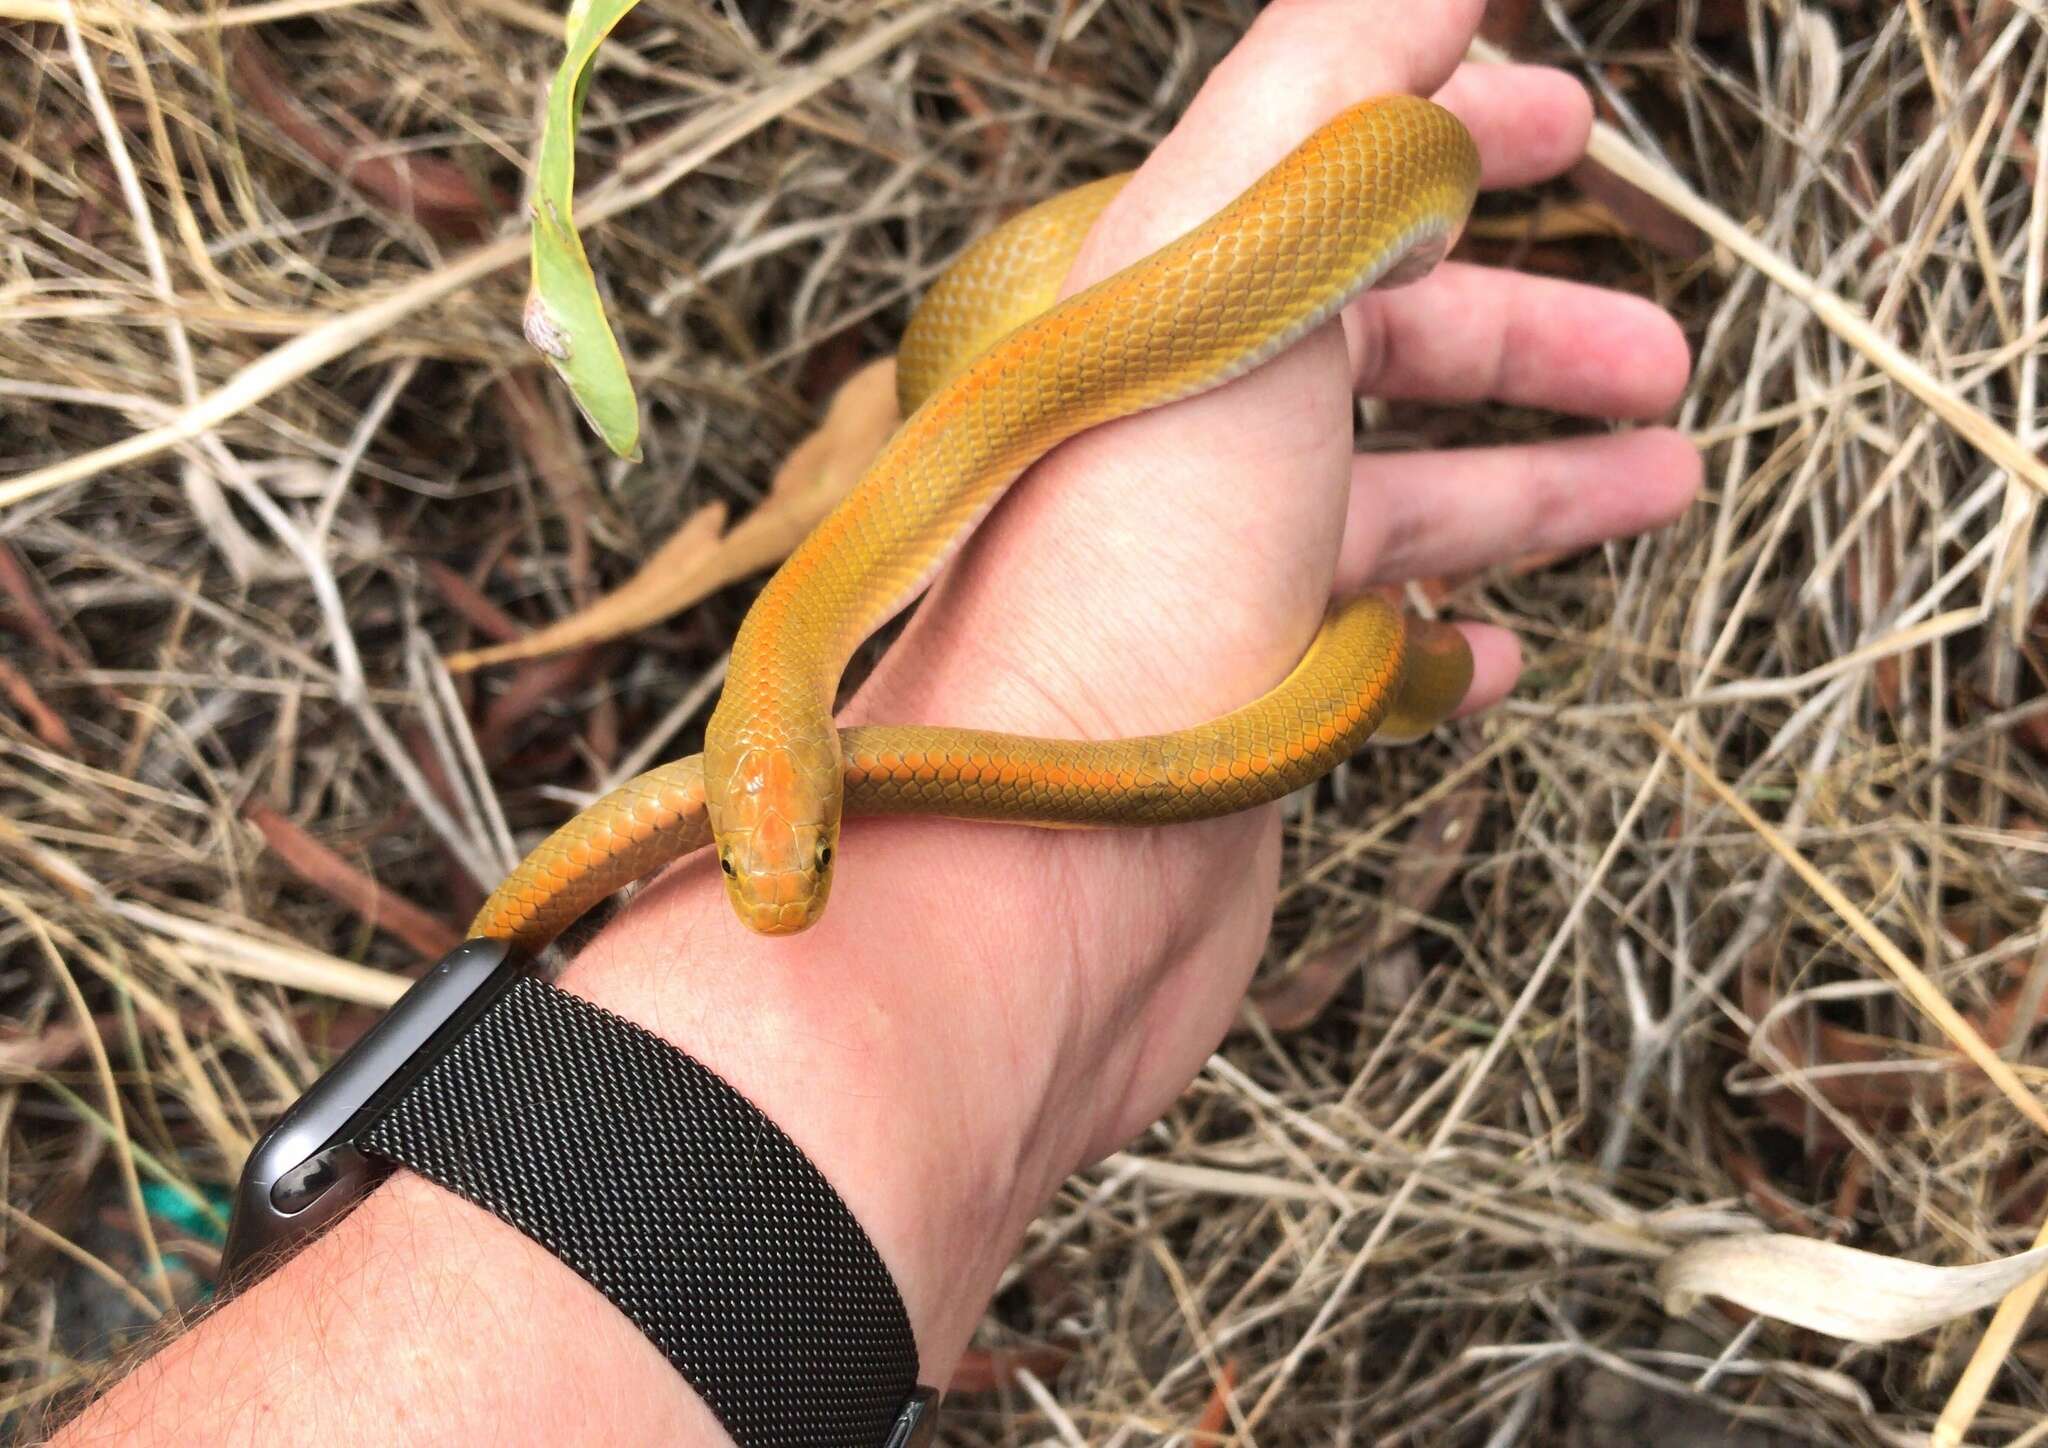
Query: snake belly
x=994 y=375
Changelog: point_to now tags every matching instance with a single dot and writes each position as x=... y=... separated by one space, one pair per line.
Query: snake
x=994 y=371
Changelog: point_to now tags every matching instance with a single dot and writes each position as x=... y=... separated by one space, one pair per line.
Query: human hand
x=986 y=1008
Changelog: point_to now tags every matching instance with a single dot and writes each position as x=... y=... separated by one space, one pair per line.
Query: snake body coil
x=993 y=376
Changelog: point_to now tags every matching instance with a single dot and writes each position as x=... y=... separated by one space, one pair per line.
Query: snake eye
x=725 y=864
x=824 y=857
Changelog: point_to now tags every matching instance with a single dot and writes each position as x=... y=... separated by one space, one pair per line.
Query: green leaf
x=564 y=315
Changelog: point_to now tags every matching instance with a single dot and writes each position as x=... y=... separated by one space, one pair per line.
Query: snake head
x=777 y=833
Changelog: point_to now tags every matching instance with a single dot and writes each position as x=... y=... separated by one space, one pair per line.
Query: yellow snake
x=992 y=376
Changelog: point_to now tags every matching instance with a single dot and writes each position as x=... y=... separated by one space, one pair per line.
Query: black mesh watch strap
x=679 y=1201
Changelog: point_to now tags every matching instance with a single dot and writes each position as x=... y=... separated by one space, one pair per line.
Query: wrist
x=831 y=1037
x=419 y=1318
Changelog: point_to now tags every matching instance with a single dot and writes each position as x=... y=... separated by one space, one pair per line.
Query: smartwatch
x=653 y=1179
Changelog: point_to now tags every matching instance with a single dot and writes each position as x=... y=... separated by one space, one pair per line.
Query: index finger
x=1301 y=63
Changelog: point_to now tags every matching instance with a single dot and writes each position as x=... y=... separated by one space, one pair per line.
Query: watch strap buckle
x=917 y=1426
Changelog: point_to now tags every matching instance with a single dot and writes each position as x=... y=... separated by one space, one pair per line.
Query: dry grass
x=1420 y=1196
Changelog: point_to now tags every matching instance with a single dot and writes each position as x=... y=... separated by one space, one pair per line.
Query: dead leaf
x=34 y=619
x=1216 y=1412
x=1799 y=1041
x=328 y=872
x=1553 y=221
x=992 y=132
x=25 y=1055
x=2016 y=1012
x=659 y=588
x=1638 y=213
x=1299 y=999
x=468 y=600
x=1763 y=1193
x=700 y=558
x=1430 y=859
x=1854 y=1186
x=435 y=192
x=533 y=687
x=46 y=722
x=1842 y=1291
x=1506 y=22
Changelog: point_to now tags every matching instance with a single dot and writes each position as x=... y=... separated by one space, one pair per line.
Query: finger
x=1496 y=664
x=1530 y=121
x=1469 y=334
x=1421 y=515
x=1301 y=63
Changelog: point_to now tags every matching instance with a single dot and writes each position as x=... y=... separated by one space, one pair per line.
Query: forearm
x=418 y=1318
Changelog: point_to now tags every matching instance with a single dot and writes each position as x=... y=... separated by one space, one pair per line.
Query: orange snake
x=992 y=376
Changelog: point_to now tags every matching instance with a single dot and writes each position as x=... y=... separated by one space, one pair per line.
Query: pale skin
x=986 y=1009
